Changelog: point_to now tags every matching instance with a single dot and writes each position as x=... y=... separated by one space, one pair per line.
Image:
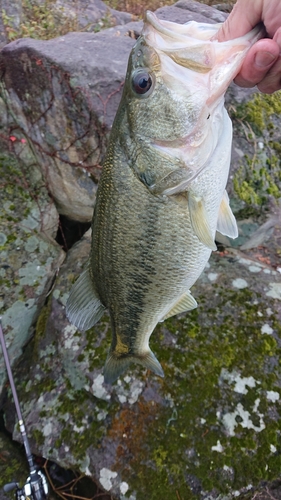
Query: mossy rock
x=209 y=429
x=258 y=178
x=28 y=253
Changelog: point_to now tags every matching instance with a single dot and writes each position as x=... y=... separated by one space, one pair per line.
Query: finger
x=243 y=17
x=259 y=60
x=272 y=80
x=277 y=37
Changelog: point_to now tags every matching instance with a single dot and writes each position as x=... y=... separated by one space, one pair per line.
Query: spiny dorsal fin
x=83 y=307
x=199 y=221
x=186 y=303
x=115 y=365
x=226 y=220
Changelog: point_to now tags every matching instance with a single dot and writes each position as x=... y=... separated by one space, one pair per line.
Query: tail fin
x=115 y=364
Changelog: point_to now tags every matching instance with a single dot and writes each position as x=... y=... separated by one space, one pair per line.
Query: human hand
x=262 y=65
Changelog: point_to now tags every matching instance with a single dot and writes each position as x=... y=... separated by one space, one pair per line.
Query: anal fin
x=226 y=221
x=83 y=307
x=186 y=303
x=199 y=221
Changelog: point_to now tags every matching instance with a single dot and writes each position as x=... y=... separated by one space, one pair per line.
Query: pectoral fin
x=199 y=221
x=186 y=303
x=174 y=182
x=226 y=220
x=83 y=307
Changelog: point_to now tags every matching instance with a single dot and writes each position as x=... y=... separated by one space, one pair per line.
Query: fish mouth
x=191 y=45
x=179 y=43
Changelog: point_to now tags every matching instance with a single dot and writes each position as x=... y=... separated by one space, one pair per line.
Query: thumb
x=243 y=17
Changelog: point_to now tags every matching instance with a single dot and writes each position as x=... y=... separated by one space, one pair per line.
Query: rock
x=91 y=15
x=62 y=100
x=262 y=234
x=205 y=12
x=11 y=13
x=13 y=465
x=29 y=256
x=194 y=432
x=189 y=10
x=224 y=7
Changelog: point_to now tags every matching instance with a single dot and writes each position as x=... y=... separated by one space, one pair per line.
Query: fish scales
x=161 y=195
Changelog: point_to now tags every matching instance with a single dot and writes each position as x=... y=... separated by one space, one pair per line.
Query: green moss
x=38 y=436
x=168 y=446
x=181 y=447
x=259 y=110
x=44 y=22
x=260 y=175
x=42 y=321
x=13 y=463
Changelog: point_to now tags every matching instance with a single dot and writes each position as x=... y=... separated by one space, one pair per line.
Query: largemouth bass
x=161 y=196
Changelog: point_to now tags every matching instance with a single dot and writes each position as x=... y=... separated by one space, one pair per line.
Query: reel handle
x=10 y=486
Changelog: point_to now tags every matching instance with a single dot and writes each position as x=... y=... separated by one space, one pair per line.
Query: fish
x=161 y=196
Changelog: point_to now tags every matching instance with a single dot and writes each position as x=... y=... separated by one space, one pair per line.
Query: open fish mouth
x=190 y=45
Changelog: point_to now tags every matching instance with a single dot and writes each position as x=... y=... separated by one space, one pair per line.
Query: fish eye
x=141 y=82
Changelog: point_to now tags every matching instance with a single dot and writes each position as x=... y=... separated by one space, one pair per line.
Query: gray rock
x=196 y=430
x=91 y=15
x=62 y=96
x=204 y=11
x=29 y=256
x=11 y=13
x=189 y=10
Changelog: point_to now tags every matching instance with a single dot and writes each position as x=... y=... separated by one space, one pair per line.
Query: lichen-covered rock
x=13 y=465
x=29 y=256
x=210 y=428
x=61 y=95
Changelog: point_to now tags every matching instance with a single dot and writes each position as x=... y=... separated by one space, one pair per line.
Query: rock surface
x=29 y=256
x=196 y=431
x=91 y=15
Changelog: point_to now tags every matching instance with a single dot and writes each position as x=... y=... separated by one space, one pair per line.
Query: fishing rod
x=36 y=486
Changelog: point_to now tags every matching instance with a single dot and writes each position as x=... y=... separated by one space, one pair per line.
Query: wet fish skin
x=161 y=195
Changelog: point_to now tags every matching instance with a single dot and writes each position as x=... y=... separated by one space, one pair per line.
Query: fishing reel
x=35 y=488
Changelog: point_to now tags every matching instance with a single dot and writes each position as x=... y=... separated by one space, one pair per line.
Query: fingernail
x=264 y=59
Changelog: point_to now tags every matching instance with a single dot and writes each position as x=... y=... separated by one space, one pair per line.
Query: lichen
x=259 y=175
x=211 y=425
x=183 y=447
x=13 y=463
x=259 y=110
